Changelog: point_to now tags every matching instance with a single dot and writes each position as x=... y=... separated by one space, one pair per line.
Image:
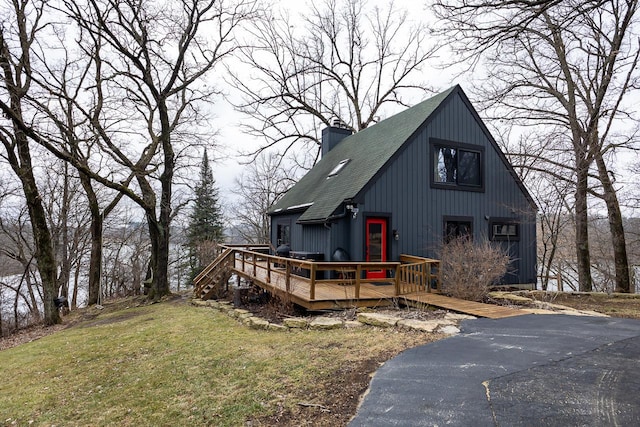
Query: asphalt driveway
x=533 y=370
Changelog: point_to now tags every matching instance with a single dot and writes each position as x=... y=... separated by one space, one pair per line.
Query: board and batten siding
x=316 y=239
x=418 y=210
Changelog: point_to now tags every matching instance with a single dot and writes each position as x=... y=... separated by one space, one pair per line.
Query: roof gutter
x=290 y=209
x=347 y=206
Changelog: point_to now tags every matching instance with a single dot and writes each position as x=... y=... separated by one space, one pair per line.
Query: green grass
x=175 y=364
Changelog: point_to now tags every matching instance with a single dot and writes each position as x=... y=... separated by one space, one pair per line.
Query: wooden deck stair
x=208 y=282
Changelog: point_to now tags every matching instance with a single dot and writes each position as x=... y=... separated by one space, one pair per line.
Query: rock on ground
x=376 y=319
x=325 y=323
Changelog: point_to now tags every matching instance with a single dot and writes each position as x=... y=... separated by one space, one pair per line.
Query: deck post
x=287 y=277
x=397 y=282
x=429 y=276
x=312 y=276
x=424 y=277
x=232 y=258
x=254 y=258
x=358 y=274
x=268 y=270
x=243 y=259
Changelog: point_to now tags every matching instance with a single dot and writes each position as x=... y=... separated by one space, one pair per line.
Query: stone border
x=447 y=325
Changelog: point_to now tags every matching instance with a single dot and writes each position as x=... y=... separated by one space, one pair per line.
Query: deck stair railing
x=208 y=282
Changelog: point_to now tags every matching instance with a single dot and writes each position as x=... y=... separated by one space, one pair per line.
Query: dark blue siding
x=404 y=189
x=316 y=239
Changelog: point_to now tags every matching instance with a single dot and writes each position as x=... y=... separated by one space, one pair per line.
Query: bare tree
x=344 y=60
x=259 y=187
x=16 y=40
x=568 y=67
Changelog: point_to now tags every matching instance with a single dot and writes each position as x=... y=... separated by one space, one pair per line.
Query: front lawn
x=175 y=364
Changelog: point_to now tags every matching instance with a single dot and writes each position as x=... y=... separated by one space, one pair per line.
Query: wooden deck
x=327 y=295
x=413 y=282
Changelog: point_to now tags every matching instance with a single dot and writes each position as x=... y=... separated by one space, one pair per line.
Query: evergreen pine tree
x=205 y=221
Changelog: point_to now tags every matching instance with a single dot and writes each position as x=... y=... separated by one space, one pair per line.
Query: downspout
x=333 y=218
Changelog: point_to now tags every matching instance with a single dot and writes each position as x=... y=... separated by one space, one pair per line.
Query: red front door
x=376 y=245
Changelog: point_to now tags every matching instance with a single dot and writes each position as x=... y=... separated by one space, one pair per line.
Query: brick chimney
x=332 y=136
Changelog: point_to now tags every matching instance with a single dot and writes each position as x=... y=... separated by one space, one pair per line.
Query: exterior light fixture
x=354 y=209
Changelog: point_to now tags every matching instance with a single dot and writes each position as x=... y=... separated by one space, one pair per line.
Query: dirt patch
x=113 y=319
x=330 y=403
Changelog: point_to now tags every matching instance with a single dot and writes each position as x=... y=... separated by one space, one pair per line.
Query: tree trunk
x=95 y=260
x=159 y=263
x=160 y=285
x=583 y=257
x=44 y=255
x=16 y=316
x=76 y=282
x=61 y=248
x=33 y=301
x=549 y=263
x=621 y=261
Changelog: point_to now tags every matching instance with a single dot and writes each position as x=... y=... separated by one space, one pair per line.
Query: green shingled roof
x=368 y=151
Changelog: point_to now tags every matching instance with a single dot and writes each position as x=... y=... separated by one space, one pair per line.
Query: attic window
x=335 y=171
x=457 y=166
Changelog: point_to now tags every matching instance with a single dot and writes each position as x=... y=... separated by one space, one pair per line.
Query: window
x=335 y=171
x=284 y=234
x=456 y=165
x=456 y=227
x=504 y=229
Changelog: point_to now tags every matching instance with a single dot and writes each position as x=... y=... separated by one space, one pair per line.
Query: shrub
x=469 y=269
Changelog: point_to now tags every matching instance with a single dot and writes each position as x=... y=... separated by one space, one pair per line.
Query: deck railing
x=411 y=274
x=418 y=274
